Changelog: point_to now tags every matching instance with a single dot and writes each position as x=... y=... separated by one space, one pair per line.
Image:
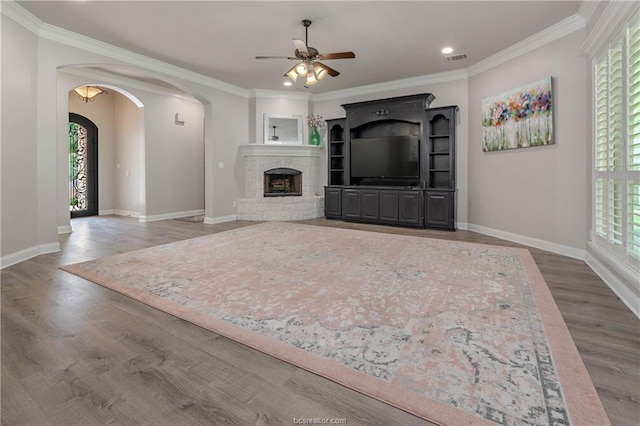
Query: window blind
x=633 y=138
x=616 y=186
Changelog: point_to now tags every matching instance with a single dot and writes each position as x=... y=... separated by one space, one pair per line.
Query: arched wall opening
x=151 y=164
x=120 y=121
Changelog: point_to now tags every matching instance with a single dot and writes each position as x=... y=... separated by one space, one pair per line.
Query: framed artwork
x=519 y=118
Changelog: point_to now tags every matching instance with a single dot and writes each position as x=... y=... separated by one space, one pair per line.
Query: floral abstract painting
x=518 y=118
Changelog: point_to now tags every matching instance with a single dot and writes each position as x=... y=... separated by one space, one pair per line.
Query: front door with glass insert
x=83 y=166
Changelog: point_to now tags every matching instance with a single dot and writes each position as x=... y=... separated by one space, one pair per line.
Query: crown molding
x=552 y=33
x=608 y=24
x=117 y=80
x=79 y=41
x=405 y=83
x=11 y=9
x=20 y=15
x=280 y=94
x=587 y=9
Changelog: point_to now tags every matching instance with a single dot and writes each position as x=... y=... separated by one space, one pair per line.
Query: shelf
x=438 y=136
x=439 y=170
x=337 y=170
x=438 y=153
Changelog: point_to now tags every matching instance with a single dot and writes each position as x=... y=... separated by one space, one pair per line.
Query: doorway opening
x=83 y=166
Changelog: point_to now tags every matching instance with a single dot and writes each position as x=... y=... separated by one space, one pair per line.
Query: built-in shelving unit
x=441 y=133
x=440 y=195
x=392 y=161
x=336 y=142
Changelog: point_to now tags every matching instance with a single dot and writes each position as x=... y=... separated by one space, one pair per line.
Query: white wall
x=538 y=192
x=19 y=157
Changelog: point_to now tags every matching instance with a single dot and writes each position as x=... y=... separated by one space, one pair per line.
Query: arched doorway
x=83 y=166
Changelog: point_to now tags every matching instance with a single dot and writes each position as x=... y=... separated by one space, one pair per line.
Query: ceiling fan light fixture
x=292 y=74
x=309 y=66
x=301 y=68
x=311 y=79
x=88 y=93
x=320 y=71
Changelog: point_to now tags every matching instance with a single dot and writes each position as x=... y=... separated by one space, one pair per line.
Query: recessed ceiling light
x=287 y=83
x=447 y=50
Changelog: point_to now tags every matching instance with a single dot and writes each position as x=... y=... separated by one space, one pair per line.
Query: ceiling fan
x=310 y=66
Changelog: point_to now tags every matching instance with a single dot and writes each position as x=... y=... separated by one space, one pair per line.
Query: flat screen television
x=385 y=157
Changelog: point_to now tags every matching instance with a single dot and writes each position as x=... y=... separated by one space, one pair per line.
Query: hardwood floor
x=76 y=353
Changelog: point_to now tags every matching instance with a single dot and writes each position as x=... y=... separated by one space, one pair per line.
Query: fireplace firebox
x=282 y=182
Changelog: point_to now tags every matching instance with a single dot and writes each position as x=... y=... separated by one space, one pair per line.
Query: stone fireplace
x=281 y=182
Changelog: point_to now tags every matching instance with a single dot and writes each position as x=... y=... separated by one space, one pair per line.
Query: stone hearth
x=258 y=159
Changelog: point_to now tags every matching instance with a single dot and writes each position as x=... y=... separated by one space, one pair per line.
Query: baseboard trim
x=66 y=229
x=462 y=226
x=612 y=278
x=106 y=212
x=165 y=216
x=220 y=219
x=126 y=213
x=529 y=241
x=26 y=254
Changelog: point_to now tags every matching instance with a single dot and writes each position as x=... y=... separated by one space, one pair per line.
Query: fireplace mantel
x=262 y=150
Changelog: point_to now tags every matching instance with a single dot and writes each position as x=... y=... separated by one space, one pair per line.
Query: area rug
x=453 y=332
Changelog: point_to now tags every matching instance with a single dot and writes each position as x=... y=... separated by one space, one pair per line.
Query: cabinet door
x=351 y=204
x=409 y=207
x=369 y=199
x=333 y=203
x=439 y=209
x=388 y=206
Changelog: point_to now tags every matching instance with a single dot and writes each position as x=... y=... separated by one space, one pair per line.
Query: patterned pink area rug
x=453 y=332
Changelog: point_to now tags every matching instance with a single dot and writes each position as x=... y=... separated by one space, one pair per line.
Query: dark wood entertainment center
x=392 y=161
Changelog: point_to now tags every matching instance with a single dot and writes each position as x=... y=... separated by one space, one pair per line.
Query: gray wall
x=538 y=192
x=19 y=157
x=128 y=138
x=174 y=155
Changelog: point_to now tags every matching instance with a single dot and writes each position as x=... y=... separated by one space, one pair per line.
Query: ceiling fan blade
x=337 y=55
x=330 y=71
x=275 y=57
x=301 y=46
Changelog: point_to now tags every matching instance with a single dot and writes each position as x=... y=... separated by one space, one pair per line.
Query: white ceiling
x=392 y=40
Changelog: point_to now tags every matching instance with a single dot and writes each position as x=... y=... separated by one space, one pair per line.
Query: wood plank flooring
x=75 y=353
